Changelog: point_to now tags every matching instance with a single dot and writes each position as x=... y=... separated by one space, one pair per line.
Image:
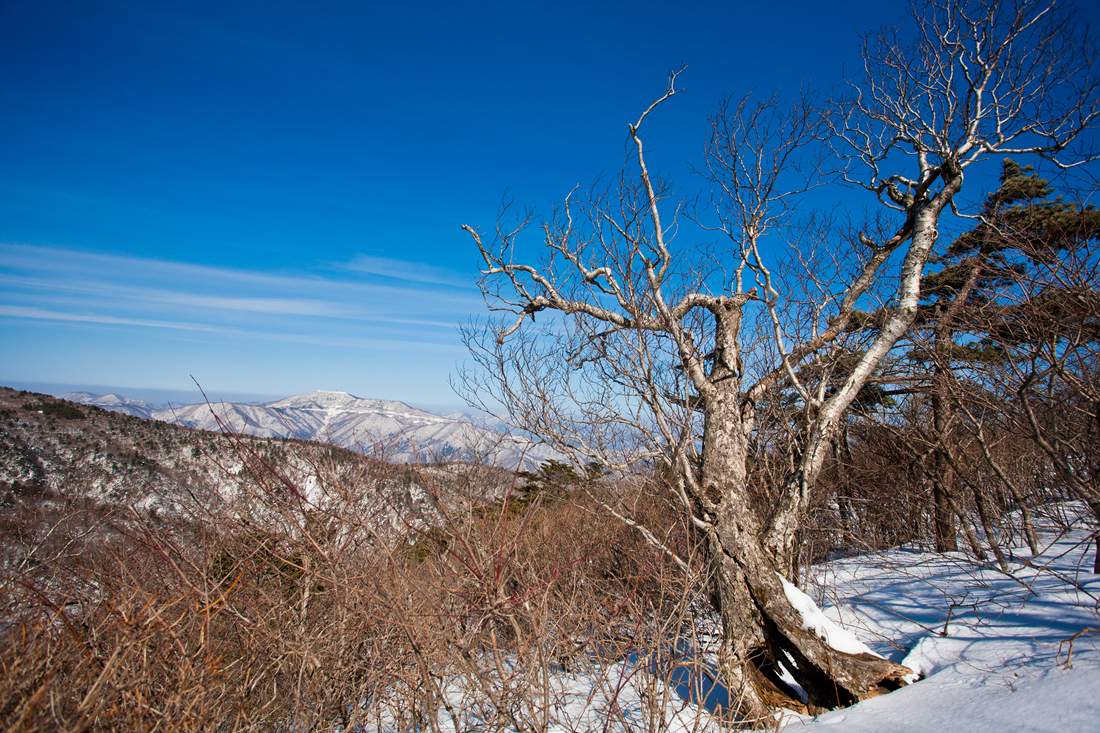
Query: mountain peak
x=319 y=398
x=113 y=402
x=324 y=395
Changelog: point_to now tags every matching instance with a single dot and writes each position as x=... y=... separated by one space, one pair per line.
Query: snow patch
x=813 y=619
x=994 y=651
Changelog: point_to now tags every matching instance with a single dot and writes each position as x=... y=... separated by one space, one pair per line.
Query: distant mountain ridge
x=114 y=403
x=398 y=431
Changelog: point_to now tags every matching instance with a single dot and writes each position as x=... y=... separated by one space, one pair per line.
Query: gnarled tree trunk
x=763 y=632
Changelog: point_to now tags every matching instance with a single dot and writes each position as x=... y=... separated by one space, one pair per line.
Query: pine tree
x=977 y=311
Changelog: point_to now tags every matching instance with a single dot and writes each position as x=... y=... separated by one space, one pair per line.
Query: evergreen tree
x=978 y=309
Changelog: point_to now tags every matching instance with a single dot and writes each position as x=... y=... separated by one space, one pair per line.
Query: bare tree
x=657 y=354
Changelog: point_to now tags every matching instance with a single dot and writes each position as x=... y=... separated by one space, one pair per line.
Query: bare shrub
x=329 y=592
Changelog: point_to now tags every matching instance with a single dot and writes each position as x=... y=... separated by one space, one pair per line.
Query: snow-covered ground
x=993 y=649
x=1005 y=652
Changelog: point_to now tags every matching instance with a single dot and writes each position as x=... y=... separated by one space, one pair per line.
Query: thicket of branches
x=305 y=600
x=991 y=405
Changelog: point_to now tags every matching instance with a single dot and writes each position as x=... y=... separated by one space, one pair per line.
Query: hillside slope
x=58 y=456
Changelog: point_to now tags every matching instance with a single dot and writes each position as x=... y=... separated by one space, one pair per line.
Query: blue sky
x=268 y=195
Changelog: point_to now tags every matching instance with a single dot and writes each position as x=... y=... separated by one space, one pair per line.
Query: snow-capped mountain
x=393 y=429
x=114 y=403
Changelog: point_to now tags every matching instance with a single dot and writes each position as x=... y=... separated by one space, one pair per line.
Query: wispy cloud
x=98 y=288
x=116 y=291
x=410 y=271
x=349 y=342
x=48 y=315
